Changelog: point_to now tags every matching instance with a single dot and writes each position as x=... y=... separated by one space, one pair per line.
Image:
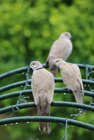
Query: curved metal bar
x=16 y=107
x=12 y=72
x=86 y=65
x=23 y=69
x=16 y=84
x=15 y=94
x=55 y=103
x=29 y=91
x=85 y=81
x=46 y=119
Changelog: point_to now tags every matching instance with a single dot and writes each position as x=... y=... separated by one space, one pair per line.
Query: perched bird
x=61 y=48
x=72 y=78
x=43 y=90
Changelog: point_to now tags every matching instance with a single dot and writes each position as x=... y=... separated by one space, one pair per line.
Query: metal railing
x=89 y=82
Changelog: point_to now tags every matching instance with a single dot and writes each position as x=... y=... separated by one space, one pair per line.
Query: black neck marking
x=39 y=68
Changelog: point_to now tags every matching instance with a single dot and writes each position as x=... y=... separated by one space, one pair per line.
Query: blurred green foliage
x=27 y=31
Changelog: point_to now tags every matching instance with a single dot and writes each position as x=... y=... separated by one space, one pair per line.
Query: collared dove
x=61 y=48
x=43 y=90
x=72 y=78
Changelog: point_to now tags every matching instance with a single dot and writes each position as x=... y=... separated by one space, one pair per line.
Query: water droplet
x=5 y=124
x=11 y=123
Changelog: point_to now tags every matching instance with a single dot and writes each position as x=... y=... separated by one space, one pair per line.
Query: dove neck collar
x=39 y=68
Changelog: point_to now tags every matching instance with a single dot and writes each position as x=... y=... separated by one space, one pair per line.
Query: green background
x=27 y=31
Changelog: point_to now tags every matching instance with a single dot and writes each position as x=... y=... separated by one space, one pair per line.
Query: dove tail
x=79 y=96
x=43 y=109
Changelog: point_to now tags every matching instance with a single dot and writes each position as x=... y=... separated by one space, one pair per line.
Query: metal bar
x=17 y=84
x=15 y=94
x=29 y=91
x=55 y=104
x=85 y=81
x=86 y=65
x=16 y=107
x=12 y=72
x=13 y=85
x=46 y=119
x=23 y=69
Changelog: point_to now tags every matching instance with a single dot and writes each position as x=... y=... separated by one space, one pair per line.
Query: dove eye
x=66 y=34
x=33 y=64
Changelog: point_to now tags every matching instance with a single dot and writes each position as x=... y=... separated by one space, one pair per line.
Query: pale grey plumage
x=61 y=48
x=72 y=78
x=43 y=91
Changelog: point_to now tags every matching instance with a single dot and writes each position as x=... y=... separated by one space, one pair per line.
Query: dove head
x=66 y=35
x=59 y=62
x=35 y=65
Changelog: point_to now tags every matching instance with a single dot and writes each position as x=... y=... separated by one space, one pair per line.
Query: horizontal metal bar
x=29 y=91
x=12 y=72
x=83 y=66
x=23 y=69
x=13 y=85
x=85 y=81
x=55 y=103
x=17 y=84
x=27 y=119
x=15 y=94
x=15 y=107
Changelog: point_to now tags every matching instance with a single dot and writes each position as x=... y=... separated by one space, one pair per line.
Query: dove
x=61 y=48
x=71 y=77
x=43 y=91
